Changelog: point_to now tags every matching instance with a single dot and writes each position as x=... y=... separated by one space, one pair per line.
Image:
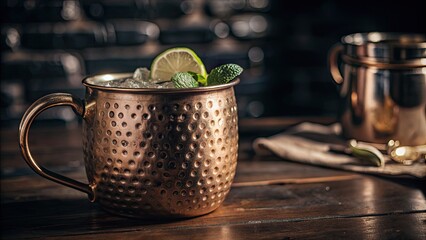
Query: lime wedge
x=175 y=60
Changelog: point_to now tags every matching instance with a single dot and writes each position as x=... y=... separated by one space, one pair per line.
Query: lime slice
x=175 y=60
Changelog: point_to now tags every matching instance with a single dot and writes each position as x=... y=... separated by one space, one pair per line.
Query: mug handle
x=334 y=53
x=43 y=103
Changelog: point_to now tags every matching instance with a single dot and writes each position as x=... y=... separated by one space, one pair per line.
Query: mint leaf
x=224 y=74
x=184 y=80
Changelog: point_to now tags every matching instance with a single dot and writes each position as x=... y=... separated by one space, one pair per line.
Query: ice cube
x=147 y=85
x=141 y=74
x=129 y=83
x=167 y=84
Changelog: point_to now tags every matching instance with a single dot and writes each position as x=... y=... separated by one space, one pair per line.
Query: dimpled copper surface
x=163 y=154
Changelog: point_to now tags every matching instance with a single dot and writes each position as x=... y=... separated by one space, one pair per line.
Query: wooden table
x=270 y=199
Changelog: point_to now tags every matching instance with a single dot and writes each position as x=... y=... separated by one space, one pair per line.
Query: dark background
x=49 y=46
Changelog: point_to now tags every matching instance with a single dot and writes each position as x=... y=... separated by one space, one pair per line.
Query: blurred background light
x=50 y=46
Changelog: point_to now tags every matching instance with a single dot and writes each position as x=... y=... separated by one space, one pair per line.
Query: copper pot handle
x=334 y=53
x=43 y=103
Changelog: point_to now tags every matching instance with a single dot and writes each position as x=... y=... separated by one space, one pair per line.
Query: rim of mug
x=89 y=81
x=385 y=38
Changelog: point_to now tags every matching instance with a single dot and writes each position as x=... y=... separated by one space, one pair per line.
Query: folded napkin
x=310 y=143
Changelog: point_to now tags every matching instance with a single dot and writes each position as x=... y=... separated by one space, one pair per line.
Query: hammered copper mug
x=150 y=152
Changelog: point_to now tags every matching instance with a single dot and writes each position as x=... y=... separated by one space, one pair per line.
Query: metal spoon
x=405 y=154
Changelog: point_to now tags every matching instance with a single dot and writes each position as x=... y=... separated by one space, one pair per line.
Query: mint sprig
x=219 y=75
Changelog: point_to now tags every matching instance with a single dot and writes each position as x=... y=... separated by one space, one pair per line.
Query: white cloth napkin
x=310 y=143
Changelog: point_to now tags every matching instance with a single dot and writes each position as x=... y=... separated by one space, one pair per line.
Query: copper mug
x=150 y=152
x=382 y=86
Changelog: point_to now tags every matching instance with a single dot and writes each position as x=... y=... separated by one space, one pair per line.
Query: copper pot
x=382 y=87
x=150 y=152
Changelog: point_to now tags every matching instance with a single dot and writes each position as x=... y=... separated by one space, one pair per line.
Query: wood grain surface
x=270 y=199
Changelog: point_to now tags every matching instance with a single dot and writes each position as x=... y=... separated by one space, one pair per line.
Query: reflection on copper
x=385 y=117
x=355 y=104
x=354 y=98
